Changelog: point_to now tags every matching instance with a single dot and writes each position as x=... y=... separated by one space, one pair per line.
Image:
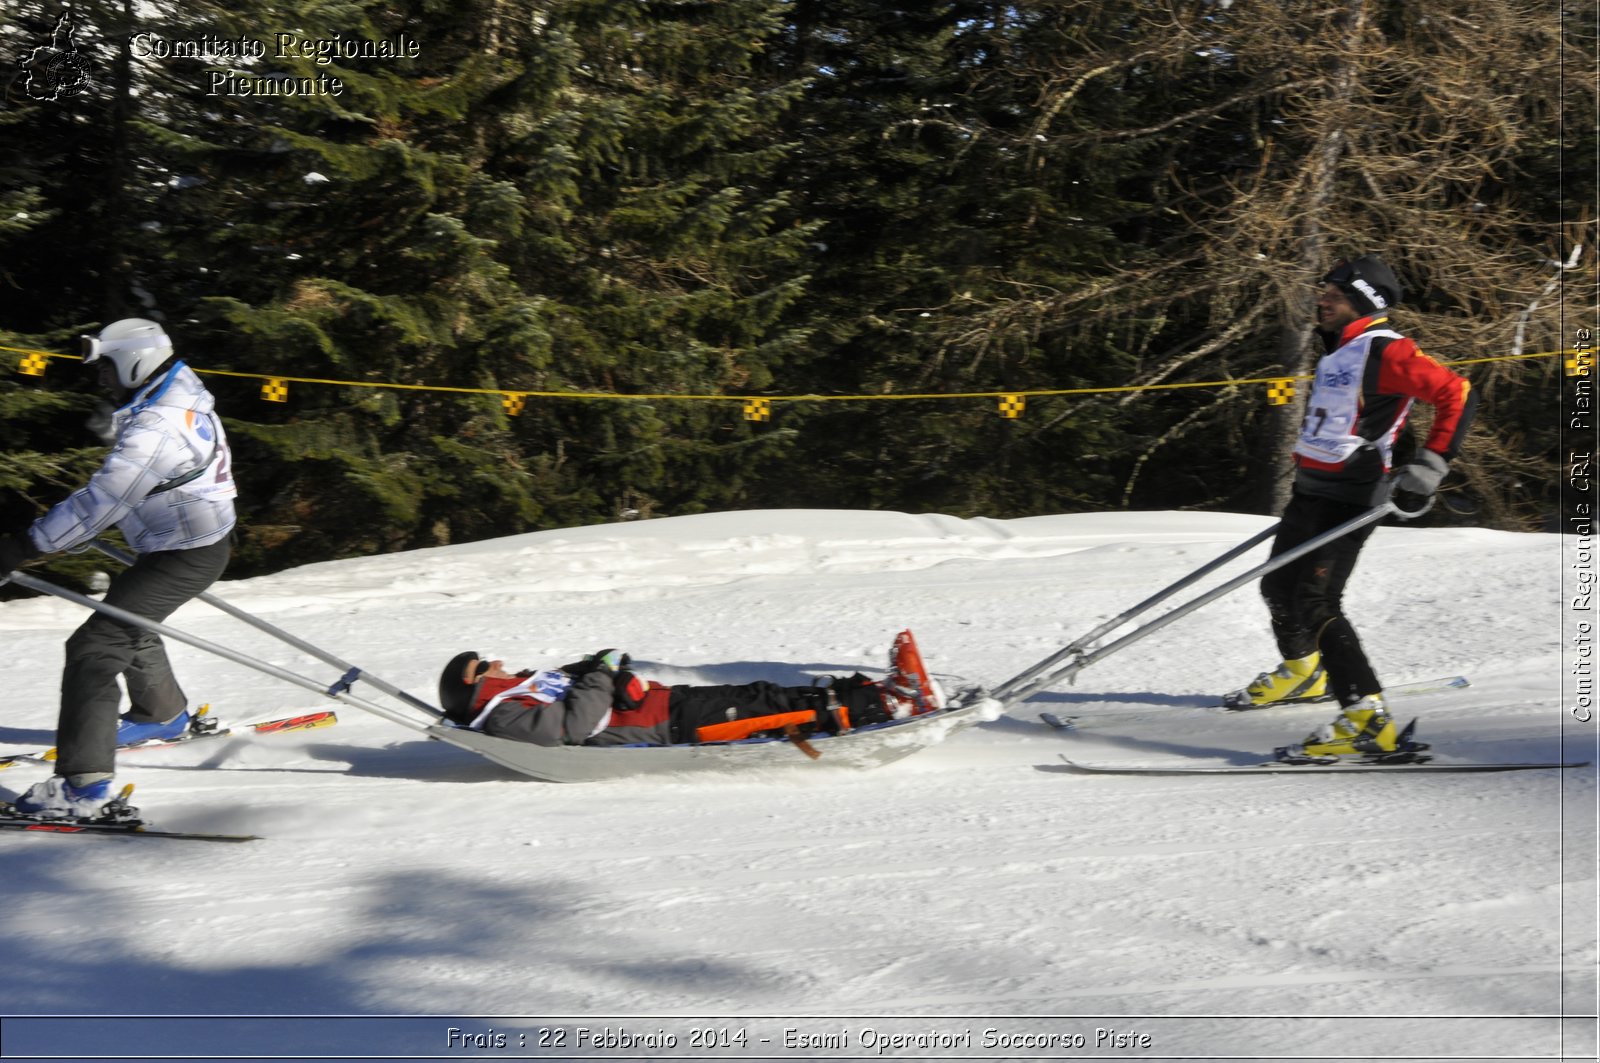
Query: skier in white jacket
x=168 y=485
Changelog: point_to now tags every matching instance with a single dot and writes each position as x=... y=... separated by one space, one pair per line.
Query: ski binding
x=1407 y=750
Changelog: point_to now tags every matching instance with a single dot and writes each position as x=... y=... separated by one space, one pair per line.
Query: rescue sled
x=923 y=717
x=864 y=747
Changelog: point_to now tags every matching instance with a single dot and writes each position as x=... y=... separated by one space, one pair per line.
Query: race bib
x=203 y=434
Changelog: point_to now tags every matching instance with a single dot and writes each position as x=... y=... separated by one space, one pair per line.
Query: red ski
x=307 y=722
x=203 y=727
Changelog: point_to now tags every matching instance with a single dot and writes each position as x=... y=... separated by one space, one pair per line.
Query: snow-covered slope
x=959 y=890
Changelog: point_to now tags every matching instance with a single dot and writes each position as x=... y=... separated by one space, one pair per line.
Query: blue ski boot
x=131 y=733
x=59 y=798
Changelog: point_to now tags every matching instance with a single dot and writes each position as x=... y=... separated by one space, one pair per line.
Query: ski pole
x=351 y=672
x=1019 y=692
x=1079 y=645
x=338 y=692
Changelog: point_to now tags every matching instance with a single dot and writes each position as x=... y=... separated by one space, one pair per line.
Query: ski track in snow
x=404 y=877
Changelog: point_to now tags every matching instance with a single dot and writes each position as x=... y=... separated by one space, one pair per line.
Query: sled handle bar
x=351 y=672
x=1015 y=691
x=337 y=692
x=1079 y=645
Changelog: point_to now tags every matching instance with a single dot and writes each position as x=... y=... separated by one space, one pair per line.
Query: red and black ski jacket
x=1360 y=398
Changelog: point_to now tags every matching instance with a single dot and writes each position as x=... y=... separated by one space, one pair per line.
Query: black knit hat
x=1368 y=283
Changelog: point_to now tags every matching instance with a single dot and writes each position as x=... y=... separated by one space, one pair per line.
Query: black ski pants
x=695 y=707
x=102 y=649
x=1306 y=597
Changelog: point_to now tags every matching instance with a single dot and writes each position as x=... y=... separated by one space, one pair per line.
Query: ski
x=1413 y=689
x=116 y=817
x=1239 y=701
x=306 y=722
x=1309 y=768
x=1410 y=756
x=13 y=822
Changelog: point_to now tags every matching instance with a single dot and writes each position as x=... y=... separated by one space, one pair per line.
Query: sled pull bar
x=352 y=673
x=1080 y=645
x=22 y=579
x=1015 y=691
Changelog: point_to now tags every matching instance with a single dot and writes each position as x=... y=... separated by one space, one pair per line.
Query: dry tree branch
x=1225 y=397
x=1199 y=113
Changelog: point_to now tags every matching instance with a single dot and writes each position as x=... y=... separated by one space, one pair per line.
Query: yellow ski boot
x=1365 y=728
x=1302 y=679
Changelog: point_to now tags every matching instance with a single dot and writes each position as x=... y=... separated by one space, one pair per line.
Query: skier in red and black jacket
x=1360 y=398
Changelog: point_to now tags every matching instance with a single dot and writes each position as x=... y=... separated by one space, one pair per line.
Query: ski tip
x=199 y=836
x=1060 y=723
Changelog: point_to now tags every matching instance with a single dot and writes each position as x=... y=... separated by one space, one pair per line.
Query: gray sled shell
x=867 y=747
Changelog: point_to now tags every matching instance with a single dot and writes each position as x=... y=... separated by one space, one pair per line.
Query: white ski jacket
x=168 y=481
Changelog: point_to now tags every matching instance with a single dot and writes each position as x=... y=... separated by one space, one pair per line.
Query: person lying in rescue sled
x=599 y=701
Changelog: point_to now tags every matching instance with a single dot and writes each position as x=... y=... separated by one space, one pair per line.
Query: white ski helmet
x=136 y=346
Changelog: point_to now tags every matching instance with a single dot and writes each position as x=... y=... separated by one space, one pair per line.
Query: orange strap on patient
x=734 y=730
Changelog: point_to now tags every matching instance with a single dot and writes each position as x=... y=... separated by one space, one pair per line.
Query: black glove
x=16 y=549
x=1415 y=483
x=602 y=660
x=609 y=660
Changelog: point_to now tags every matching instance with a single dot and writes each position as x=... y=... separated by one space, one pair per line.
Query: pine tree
x=660 y=244
x=943 y=215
